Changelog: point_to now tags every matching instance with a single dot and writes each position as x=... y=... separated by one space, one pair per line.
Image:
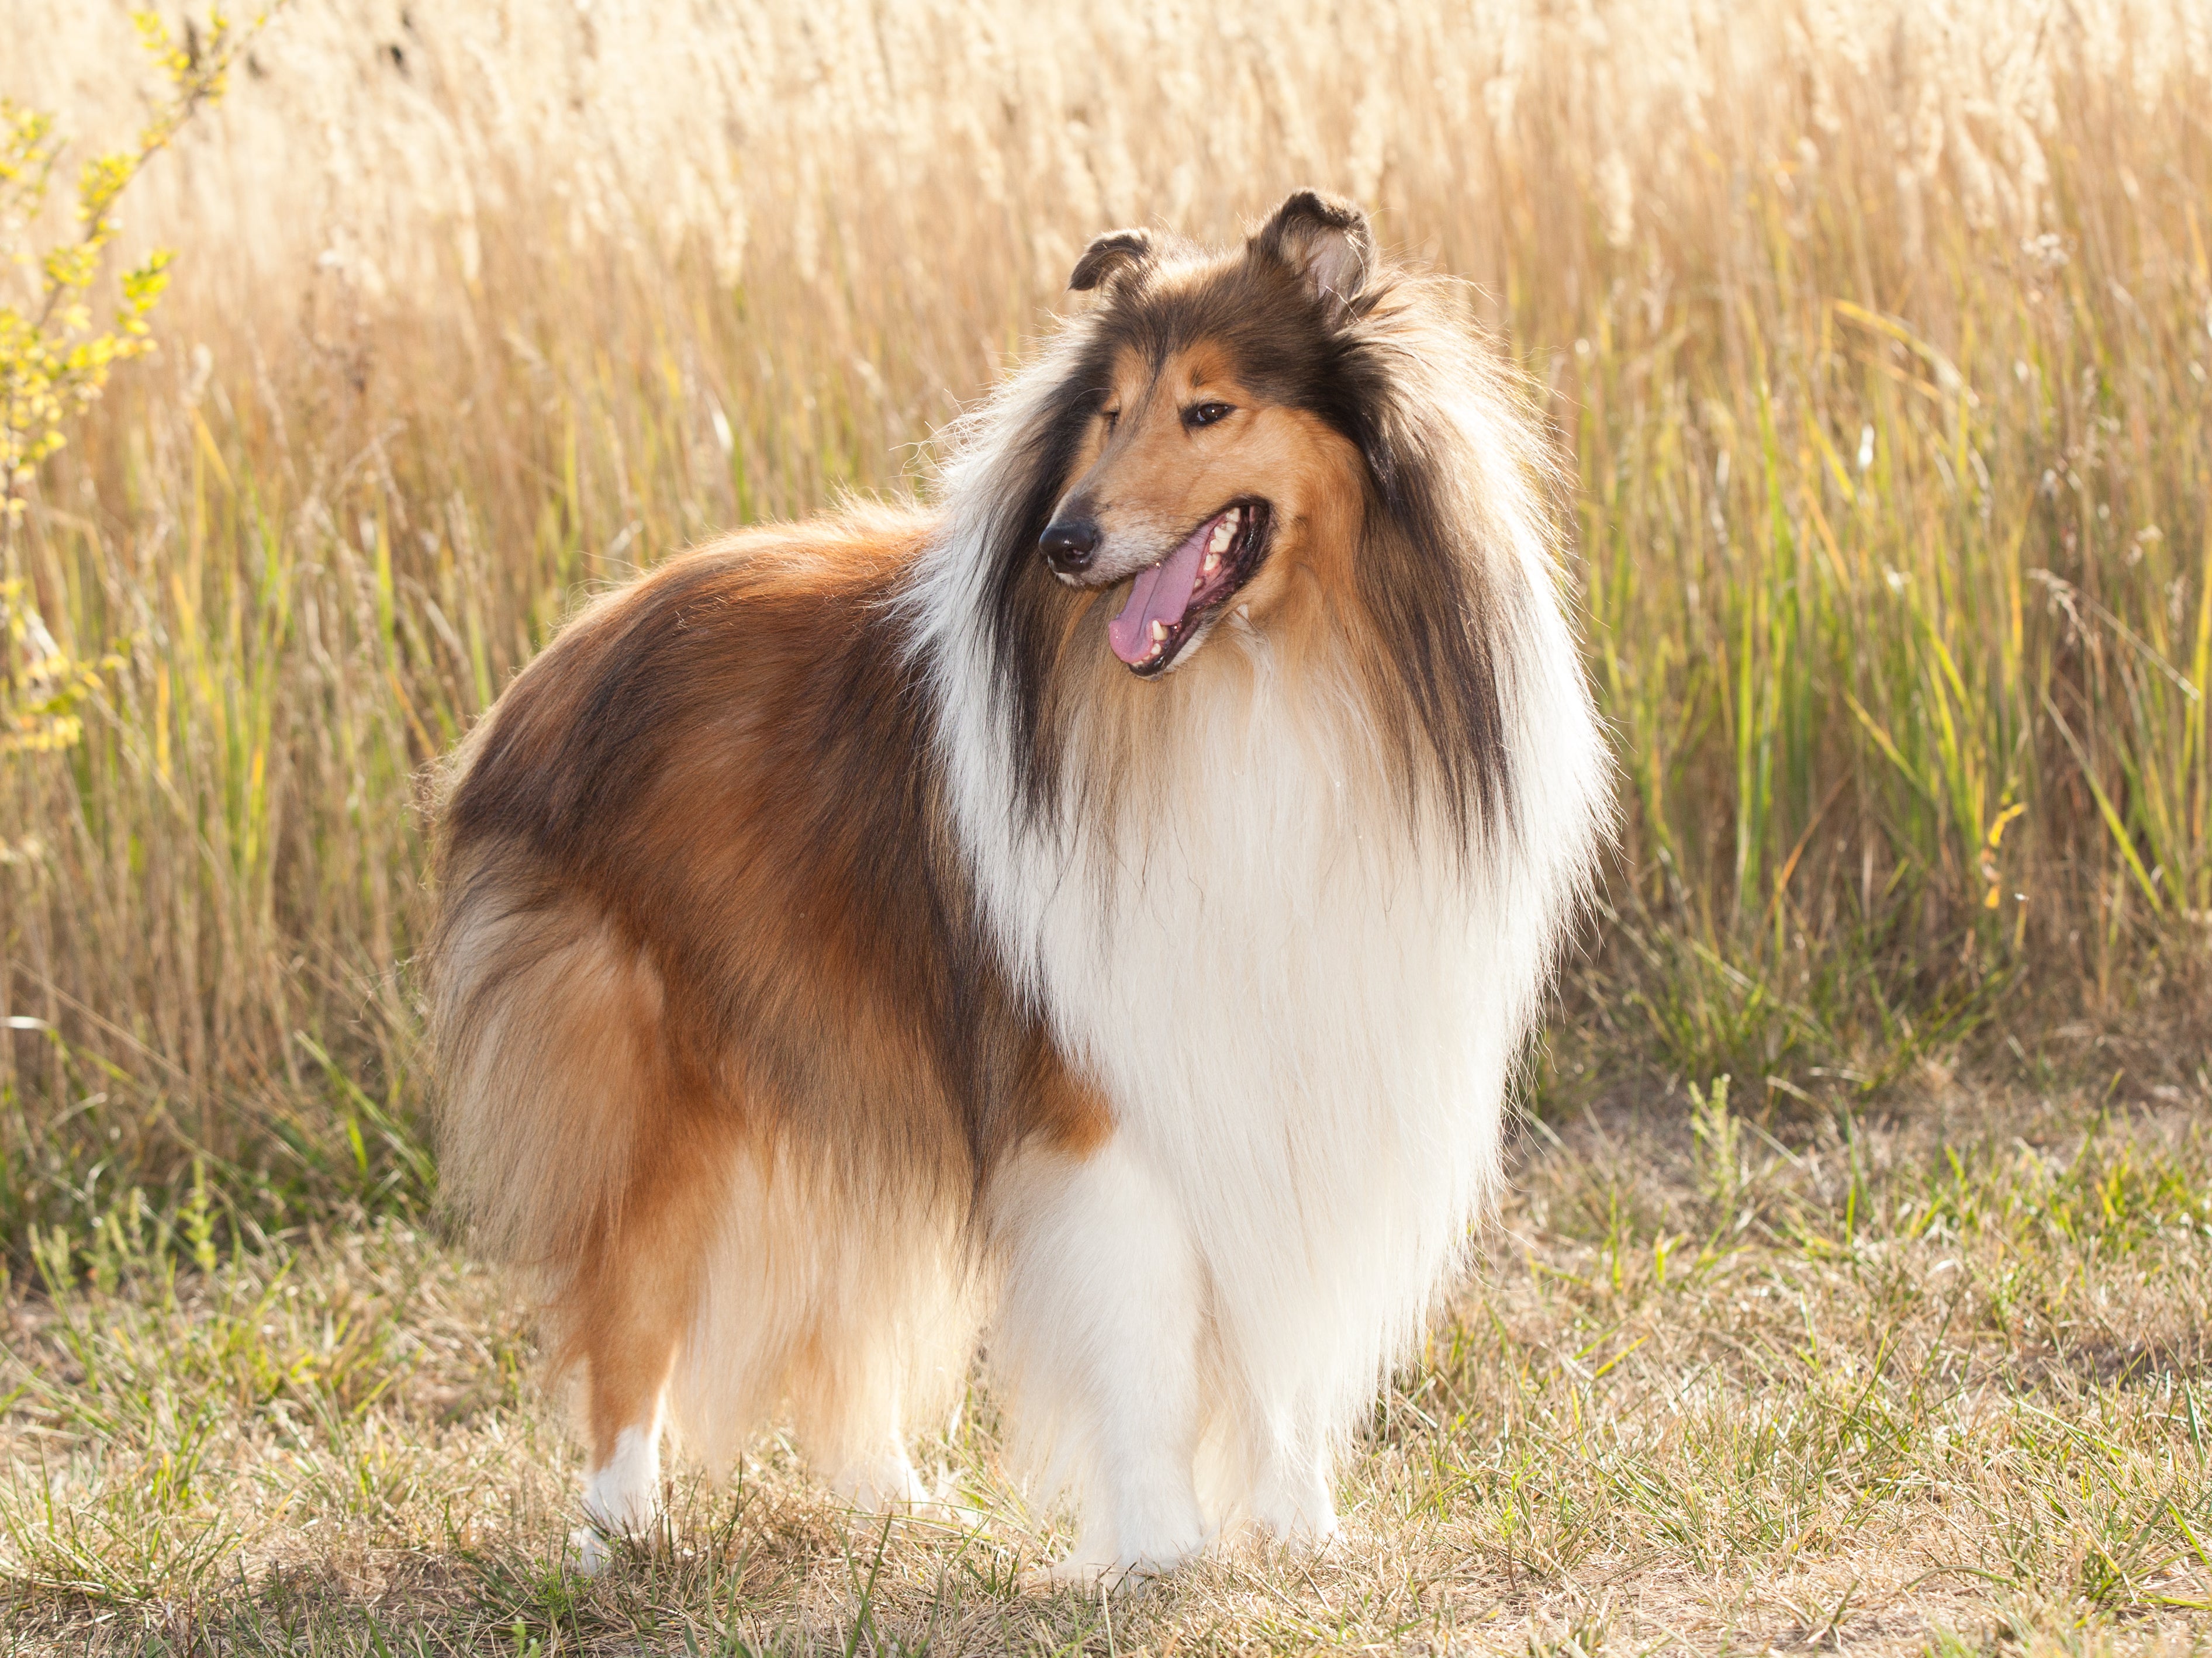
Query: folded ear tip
x=1108 y=256
x=1325 y=238
x=1332 y=212
x=1307 y=215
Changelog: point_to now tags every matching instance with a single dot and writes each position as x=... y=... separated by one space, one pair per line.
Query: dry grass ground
x=1873 y=335
x=1876 y=337
x=1941 y=1383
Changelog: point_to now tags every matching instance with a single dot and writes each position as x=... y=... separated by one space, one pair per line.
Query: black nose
x=1069 y=545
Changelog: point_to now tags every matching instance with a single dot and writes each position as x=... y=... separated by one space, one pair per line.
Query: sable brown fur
x=698 y=905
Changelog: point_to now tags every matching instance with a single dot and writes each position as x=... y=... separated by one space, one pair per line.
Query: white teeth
x=1236 y=516
x=1159 y=632
x=1221 y=535
x=1210 y=565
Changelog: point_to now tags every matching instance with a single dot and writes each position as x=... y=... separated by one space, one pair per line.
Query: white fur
x=1119 y=1381
x=623 y=1493
x=1303 y=1015
x=622 y=1496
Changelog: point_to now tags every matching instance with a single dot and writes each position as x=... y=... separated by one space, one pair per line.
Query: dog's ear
x=1112 y=255
x=1325 y=241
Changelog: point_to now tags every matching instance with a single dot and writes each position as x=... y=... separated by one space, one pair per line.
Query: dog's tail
x=545 y=1029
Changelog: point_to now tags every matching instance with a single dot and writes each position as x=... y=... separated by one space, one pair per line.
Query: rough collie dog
x=1103 y=908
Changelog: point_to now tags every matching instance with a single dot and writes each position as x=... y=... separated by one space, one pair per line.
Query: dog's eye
x=1109 y=416
x=1205 y=414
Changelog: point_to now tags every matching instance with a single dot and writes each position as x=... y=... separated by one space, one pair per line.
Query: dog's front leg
x=1290 y=1496
x=1101 y=1319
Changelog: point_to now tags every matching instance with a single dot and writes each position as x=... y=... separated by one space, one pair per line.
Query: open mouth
x=1171 y=601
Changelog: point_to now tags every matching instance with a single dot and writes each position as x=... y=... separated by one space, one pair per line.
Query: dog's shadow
x=750 y=1567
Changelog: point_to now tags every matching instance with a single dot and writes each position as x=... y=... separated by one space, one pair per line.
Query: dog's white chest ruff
x=1303 y=1026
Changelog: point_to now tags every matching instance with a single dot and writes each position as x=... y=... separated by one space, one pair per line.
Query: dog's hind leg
x=1101 y=1324
x=631 y=1349
x=628 y=1312
x=887 y=1348
x=848 y=1418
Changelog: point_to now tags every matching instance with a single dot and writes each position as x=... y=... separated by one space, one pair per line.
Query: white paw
x=1301 y=1529
x=1090 y=1568
x=1091 y=1576
x=946 y=1505
x=883 y=1487
x=1073 y=1571
x=1296 y=1509
x=588 y=1554
x=623 y=1494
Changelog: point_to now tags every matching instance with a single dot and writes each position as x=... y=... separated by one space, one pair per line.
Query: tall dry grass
x=1877 y=331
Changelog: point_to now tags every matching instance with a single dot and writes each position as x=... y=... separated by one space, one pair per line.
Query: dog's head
x=1294 y=445
x=1213 y=426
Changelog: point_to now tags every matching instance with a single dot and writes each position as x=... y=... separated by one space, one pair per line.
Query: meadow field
x=1876 y=338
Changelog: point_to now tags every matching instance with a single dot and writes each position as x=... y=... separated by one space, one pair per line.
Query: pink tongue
x=1159 y=594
